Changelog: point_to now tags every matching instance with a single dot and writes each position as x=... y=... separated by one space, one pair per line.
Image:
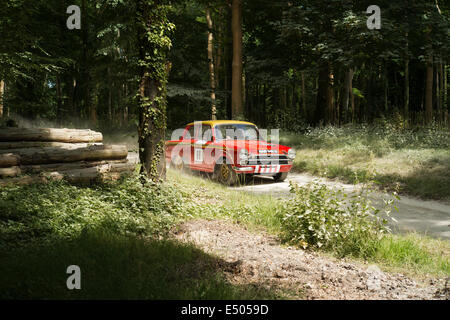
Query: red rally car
x=229 y=149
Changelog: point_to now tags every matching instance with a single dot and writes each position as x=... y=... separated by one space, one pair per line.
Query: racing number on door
x=198 y=155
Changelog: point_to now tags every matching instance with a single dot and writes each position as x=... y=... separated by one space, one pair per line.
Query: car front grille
x=268 y=159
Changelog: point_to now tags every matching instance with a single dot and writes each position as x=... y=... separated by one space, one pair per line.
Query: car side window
x=189 y=134
x=206 y=133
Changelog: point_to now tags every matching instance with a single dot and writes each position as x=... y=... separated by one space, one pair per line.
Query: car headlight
x=243 y=157
x=243 y=154
x=291 y=154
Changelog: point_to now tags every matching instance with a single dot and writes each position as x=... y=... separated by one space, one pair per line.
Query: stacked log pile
x=78 y=156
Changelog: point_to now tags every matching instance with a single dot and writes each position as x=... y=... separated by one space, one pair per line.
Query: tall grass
x=417 y=161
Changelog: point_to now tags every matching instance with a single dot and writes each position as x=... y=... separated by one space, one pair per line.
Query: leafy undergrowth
x=117 y=233
x=417 y=161
x=44 y=212
x=350 y=226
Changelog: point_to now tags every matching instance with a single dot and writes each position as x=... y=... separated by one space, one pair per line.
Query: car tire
x=178 y=164
x=279 y=177
x=226 y=175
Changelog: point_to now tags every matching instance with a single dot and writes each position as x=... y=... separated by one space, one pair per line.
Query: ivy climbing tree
x=154 y=42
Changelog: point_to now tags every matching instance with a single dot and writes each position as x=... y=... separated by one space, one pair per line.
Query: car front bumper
x=263 y=169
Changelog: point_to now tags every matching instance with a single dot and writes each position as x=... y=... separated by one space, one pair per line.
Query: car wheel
x=280 y=176
x=226 y=175
x=177 y=164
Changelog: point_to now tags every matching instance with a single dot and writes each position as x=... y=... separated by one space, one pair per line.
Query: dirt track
x=251 y=258
x=427 y=217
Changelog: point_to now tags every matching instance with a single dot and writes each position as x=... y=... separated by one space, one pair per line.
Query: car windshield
x=234 y=131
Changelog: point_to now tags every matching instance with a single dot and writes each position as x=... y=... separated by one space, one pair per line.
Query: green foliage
x=45 y=212
x=319 y=217
x=384 y=135
x=412 y=161
x=421 y=254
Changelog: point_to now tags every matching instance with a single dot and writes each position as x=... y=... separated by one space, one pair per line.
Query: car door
x=188 y=146
x=201 y=148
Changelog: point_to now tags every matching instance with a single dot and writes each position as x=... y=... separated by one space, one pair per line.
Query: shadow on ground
x=118 y=267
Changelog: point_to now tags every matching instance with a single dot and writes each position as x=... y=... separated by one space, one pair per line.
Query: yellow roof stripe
x=212 y=123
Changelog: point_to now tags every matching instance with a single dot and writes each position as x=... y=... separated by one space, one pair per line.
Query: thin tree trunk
x=219 y=50
x=445 y=94
x=264 y=108
x=330 y=98
x=2 y=90
x=429 y=92
x=305 y=113
x=386 y=90
x=236 y=90
x=210 y=50
x=441 y=89
x=125 y=109
x=58 y=100
x=109 y=95
x=347 y=93
x=320 y=114
x=352 y=96
x=406 y=93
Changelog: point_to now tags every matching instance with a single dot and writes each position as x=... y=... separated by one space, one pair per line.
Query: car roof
x=213 y=123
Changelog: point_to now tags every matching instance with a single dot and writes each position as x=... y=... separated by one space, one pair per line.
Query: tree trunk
x=151 y=19
x=429 y=92
x=236 y=88
x=445 y=98
x=59 y=111
x=305 y=112
x=386 y=88
x=441 y=86
x=406 y=93
x=2 y=90
x=219 y=52
x=352 y=96
x=324 y=104
x=210 y=50
x=109 y=95
x=347 y=94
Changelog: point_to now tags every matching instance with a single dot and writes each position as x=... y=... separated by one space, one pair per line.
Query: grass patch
x=417 y=161
x=415 y=254
x=211 y=200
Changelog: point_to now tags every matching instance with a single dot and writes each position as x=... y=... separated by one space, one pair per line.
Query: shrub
x=57 y=210
x=330 y=219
